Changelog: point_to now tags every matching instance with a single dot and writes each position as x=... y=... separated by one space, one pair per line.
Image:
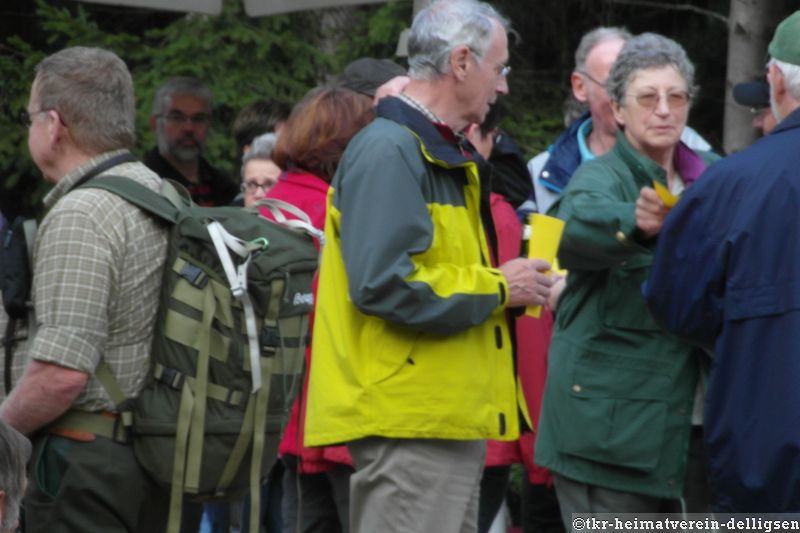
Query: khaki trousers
x=415 y=485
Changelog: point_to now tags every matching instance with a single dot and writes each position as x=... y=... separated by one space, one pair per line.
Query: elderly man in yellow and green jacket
x=412 y=357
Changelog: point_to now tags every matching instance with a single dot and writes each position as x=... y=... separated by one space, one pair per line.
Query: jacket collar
x=688 y=164
x=644 y=168
x=791 y=121
x=437 y=142
x=565 y=157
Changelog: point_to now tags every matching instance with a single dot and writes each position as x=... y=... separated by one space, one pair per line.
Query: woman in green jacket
x=619 y=403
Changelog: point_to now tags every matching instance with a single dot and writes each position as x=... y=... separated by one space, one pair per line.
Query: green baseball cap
x=785 y=45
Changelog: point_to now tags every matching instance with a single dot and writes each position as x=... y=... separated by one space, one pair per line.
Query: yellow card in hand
x=667 y=197
x=543 y=244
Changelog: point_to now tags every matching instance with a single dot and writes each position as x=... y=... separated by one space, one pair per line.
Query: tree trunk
x=335 y=24
x=750 y=27
x=402 y=41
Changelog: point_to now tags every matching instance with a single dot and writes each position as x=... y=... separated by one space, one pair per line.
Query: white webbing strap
x=277 y=207
x=237 y=279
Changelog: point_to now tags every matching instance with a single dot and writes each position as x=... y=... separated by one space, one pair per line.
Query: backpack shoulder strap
x=159 y=205
x=29 y=228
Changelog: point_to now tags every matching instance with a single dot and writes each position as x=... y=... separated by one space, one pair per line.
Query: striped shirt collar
x=422 y=108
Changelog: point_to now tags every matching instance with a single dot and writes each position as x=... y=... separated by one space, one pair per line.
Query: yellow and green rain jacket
x=410 y=339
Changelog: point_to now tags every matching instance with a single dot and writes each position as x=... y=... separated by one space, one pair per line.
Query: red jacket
x=309 y=193
x=533 y=340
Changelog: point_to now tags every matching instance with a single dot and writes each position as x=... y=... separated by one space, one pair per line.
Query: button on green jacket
x=620 y=390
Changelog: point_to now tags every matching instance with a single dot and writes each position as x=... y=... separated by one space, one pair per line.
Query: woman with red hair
x=316 y=480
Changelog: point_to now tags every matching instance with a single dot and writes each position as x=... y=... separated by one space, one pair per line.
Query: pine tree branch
x=679 y=7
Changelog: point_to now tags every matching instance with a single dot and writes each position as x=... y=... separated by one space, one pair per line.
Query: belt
x=85 y=426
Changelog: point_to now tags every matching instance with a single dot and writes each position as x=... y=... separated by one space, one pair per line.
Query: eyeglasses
x=501 y=69
x=592 y=78
x=650 y=100
x=179 y=119
x=25 y=117
x=254 y=186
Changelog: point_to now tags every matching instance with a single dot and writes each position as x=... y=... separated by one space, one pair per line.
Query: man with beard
x=180 y=119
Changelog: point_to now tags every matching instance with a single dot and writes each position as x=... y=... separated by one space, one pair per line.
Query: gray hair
x=15 y=451
x=791 y=76
x=260 y=148
x=183 y=85
x=442 y=26
x=595 y=37
x=92 y=91
x=645 y=51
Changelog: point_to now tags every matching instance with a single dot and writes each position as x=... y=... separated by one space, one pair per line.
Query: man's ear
x=579 y=89
x=778 y=83
x=459 y=61
x=617 y=110
x=56 y=130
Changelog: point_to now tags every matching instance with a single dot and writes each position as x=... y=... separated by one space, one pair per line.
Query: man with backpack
x=97 y=268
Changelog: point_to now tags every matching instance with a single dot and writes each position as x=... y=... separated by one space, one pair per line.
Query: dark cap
x=366 y=74
x=751 y=94
x=785 y=45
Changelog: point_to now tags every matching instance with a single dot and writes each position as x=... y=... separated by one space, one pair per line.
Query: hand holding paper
x=667 y=197
x=650 y=212
x=527 y=280
x=543 y=244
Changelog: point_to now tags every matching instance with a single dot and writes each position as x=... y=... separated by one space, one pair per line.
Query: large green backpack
x=236 y=295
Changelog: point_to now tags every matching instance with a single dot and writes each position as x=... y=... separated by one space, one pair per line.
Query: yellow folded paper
x=667 y=197
x=543 y=244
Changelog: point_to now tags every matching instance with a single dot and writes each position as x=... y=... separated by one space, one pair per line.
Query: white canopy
x=254 y=8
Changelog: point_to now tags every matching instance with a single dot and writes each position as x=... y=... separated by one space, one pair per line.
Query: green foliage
x=241 y=58
x=383 y=25
x=281 y=57
x=18 y=185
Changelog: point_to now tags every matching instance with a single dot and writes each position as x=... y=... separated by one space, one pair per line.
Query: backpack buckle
x=171 y=377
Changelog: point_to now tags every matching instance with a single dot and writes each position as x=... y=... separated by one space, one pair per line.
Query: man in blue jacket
x=726 y=275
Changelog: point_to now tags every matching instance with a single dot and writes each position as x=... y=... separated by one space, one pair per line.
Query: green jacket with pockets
x=620 y=390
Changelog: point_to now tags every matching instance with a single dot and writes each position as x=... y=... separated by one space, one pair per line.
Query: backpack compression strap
x=237 y=278
x=303 y=222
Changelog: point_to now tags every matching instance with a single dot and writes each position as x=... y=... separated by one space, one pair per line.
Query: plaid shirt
x=97 y=273
x=19 y=352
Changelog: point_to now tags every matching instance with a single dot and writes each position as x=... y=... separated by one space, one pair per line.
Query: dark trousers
x=540 y=511
x=86 y=487
x=493 y=493
x=271 y=501
x=319 y=503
